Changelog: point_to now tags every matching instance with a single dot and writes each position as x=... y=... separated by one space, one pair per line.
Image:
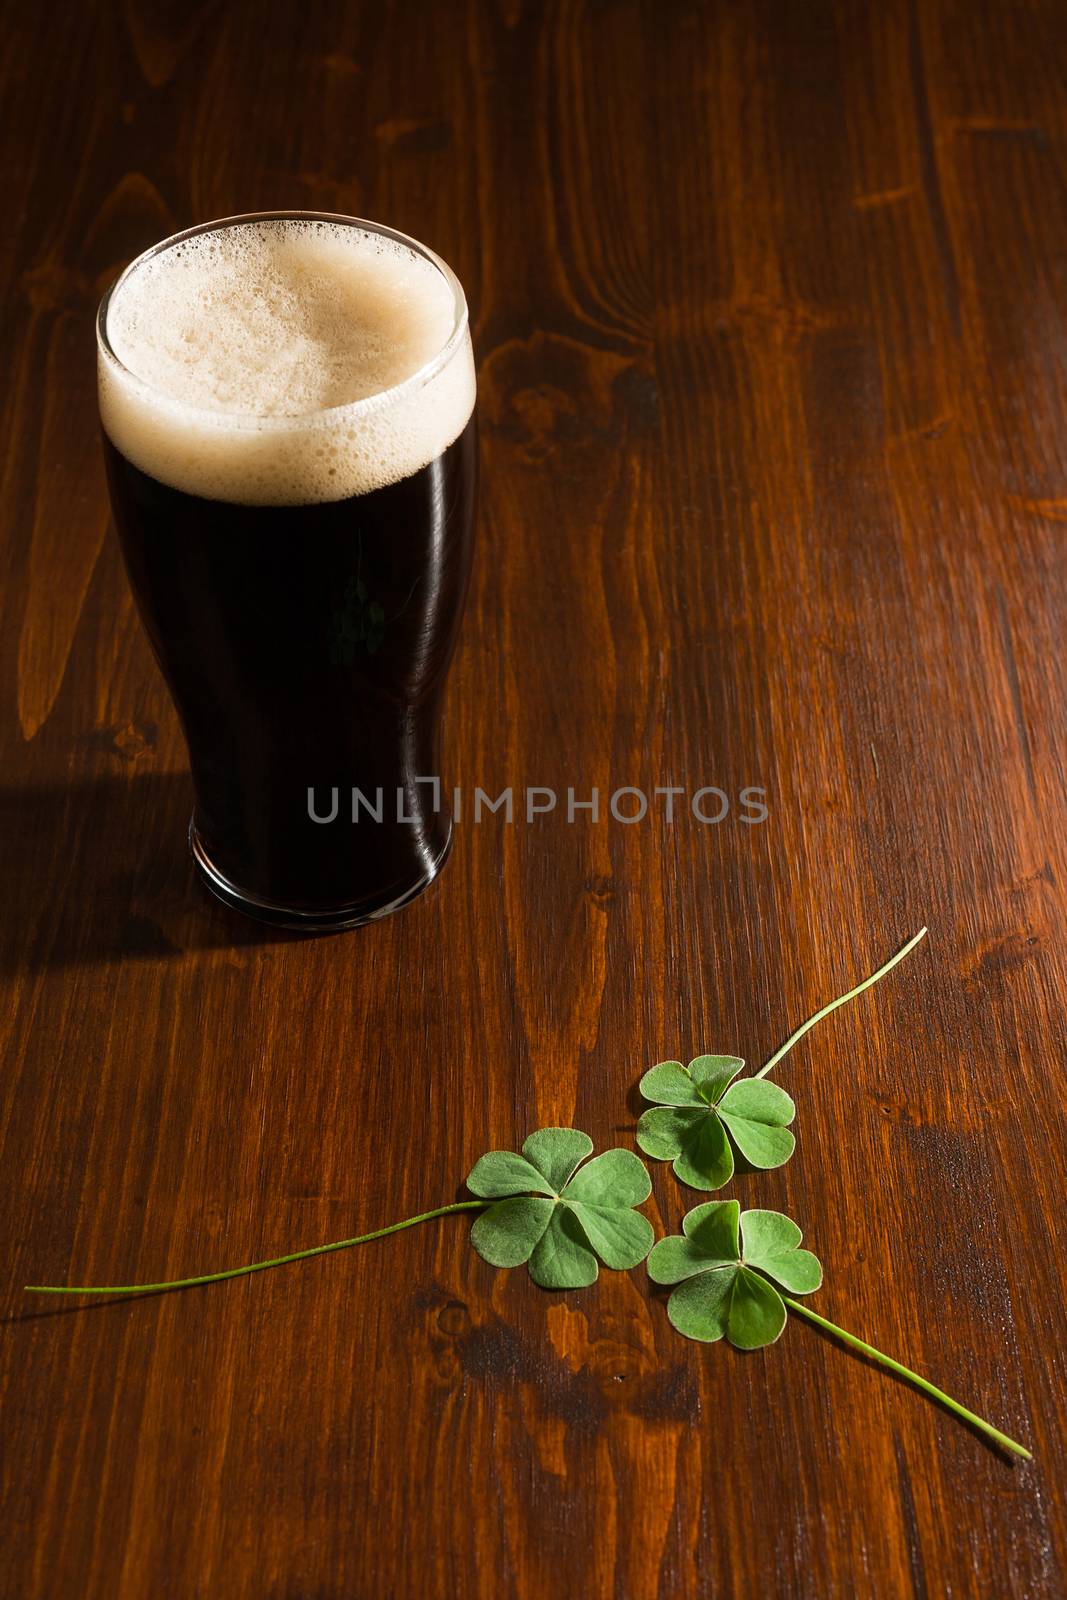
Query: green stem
x=852 y=993
x=913 y=1378
x=257 y=1266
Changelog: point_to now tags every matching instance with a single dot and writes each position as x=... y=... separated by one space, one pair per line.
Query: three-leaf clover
x=558 y=1215
x=700 y=1113
x=361 y=622
x=722 y=1263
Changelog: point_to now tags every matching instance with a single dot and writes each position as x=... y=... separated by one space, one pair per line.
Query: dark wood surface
x=770 y=308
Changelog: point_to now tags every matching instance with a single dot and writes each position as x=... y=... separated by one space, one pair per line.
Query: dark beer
x=305 y=634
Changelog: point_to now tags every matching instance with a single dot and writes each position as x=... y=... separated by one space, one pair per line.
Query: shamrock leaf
x=558 y=1214
x=722 y=1264
x=701 y=1114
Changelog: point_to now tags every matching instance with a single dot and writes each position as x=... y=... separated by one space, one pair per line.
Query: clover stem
x=256 y=1266
x=911 y=1377
x=833 y=1005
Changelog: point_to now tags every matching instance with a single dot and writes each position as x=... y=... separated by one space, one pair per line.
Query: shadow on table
x=99 y=870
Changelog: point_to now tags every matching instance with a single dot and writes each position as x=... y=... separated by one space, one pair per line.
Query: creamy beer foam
x=266 y=363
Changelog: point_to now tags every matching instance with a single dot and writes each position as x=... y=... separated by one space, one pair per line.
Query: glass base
x=328 y=919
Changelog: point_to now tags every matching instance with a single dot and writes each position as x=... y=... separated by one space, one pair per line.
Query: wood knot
x=454 y=1319
x=1002 y=955
x=127 y=740
x=553 y=397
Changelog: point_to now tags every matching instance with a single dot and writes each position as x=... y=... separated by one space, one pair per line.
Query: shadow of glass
x=99 y=870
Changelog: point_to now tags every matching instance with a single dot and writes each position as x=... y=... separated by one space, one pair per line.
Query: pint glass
x=287 y=403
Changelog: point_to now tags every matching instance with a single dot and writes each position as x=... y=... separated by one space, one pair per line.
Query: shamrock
x=362 y=622
x=696 y=1107
x=721 y=1264
x=557 y=1214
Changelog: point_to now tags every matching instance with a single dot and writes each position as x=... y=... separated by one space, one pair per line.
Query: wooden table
x=769 y=311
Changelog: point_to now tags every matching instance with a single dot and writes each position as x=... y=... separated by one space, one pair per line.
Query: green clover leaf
x=700 y=1115
x=559 y=1215
x=722 y=1263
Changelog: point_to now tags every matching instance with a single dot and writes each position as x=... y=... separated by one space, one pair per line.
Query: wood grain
x=769 y=311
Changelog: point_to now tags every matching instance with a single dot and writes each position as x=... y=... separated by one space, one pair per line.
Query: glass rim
x=367 y=403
